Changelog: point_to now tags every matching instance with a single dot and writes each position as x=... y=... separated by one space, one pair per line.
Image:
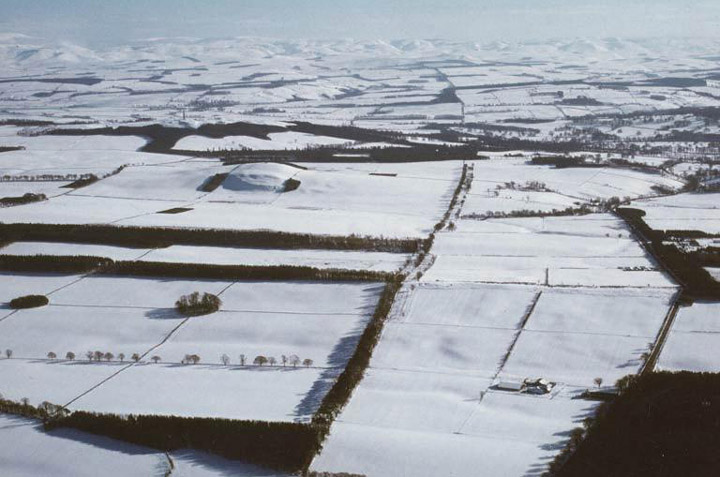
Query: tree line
x=158 y=237
x=685 y=268
x=102 y=265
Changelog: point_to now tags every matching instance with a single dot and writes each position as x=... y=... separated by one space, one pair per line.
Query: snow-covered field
x=317 y=321
x=589 y=251
x=339 y=259
x=275 y=141
x=569 y=299
x=333 y=200
x=693 y=340
x=28 y=451
x=504 y=300
x=683 y=212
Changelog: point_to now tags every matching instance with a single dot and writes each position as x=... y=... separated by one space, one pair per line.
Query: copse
x=195 y=304
x=29 y=301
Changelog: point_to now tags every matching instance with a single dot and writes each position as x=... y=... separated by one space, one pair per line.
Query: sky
x=96 y=23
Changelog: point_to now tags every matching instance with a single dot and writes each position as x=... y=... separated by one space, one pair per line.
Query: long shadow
x=337 y=359
x=220 y=466
x=101 y=442
x=539 y=468
x=164 y=314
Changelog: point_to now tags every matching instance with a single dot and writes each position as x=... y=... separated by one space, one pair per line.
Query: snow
x=315 y=320
x=375 y=261
x=327 y=339
x=33 y=333
x=339 y=200
x=512 y=200
x=335 y=259
x=619 y=312
x=683 y=212
x=17 y=285
x=693 y=340
x=467 y=305
x=275 y=141
x=58 y=382
x=267 y=394
x=148 y=293
x=574 y=358
x=26 y=451
x=442 y=349
x=96 y=161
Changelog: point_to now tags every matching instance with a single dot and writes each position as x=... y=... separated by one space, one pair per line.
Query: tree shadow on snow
x=164 y=314
x=337 y=360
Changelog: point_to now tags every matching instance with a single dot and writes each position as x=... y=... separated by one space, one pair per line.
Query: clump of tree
x=290 y=185
x=190 y=359
x=29 y=301
x=214 y=182
x=195 y=304
x=28 y=198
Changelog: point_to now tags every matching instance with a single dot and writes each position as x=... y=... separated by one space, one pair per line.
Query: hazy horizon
x=91 y=23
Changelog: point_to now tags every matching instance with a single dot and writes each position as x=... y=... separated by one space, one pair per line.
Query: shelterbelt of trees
x=102 y=265
x=686 y=268
x=158 y=237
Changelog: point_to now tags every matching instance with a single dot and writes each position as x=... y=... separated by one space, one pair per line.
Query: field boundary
x=161 y=237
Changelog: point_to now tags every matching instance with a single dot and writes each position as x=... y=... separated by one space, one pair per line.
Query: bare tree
x=307 y=362
x=155 y=359
x=51 y=355
x=598 y=382
x=108 y=356
x=121 y=357
x=225 y=359
x=135 y=357
x=260 y=360
x=272 y=361
x=25 y=401
x=284 y=359
x=242 y=359
x=89 y=355
x=70 y=356
x=294 y=360
x=194 y=359
x=8 y=353
x=98 y=355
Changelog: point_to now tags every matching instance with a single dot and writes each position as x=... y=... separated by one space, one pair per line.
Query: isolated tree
x=284 y=359
x=70 y=356
x=225 y=359
x=194 y=359
x=8 y=353
x=294 y=360
x=598 y=382
x=307 y=362
x=155 y=359
x=108 y=356
x=51 y=355
x=260 y=360
x=89 y=355
x=272 y=361
x=121 y=357
x=242 y=359
x=135 y=357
